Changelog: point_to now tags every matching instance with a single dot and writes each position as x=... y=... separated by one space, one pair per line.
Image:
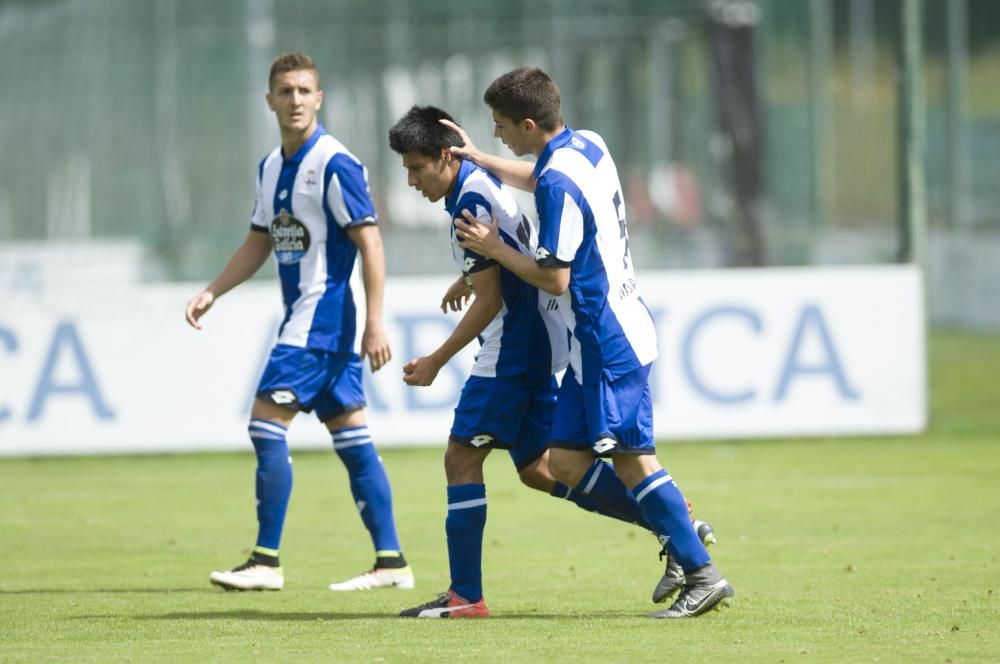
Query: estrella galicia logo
x=290 y=238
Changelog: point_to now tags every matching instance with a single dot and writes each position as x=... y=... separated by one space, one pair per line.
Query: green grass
x=840 y=550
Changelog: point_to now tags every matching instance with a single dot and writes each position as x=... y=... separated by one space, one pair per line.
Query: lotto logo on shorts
x=481 y=439
x=282 y=397
x=604 y=446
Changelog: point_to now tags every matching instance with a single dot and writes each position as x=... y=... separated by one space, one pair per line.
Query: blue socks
x=665 y=508
x=369 y=486
x=464 y=527
x=274 y=481
x=603 y=492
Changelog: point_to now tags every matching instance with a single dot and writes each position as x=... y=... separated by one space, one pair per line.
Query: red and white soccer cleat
x=448 y=605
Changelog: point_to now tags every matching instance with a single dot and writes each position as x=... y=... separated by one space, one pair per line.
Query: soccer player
x=583 y=258
x=508 y=400
x=314 y=212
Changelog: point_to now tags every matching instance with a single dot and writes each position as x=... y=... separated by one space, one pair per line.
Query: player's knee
x=632 y=469
x=535 y=478
x=569 y=466
x=463 y=465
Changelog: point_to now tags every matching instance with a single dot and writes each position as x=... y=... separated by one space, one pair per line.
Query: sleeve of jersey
x=482 y=210
x=560 y=221
x=257 y=221
x=347 y=195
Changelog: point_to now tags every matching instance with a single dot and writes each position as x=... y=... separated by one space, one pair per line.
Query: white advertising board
x=743 y=353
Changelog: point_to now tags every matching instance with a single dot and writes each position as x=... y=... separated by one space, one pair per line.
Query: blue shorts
x=306 y=379
x=619 y=409
x=508 y=413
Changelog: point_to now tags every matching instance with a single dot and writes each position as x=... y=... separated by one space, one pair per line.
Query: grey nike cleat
x=671 y=581
x=673 y=576
x=704 y=590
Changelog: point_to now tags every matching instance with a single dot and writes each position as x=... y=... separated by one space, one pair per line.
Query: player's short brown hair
x=526 y=92
x=292 y=62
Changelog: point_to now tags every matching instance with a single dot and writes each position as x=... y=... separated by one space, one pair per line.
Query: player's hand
x=484 y=239
x=375 y=346
x=457 y=295
x=468 y=151
x=197 y=307
x=421 y=371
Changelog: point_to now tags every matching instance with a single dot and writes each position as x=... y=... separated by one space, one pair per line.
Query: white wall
x=743 y=353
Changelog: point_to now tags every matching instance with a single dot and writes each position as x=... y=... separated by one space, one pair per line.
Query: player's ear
x=319 y=99
x=529 y=125
x=446 y=155
x=270 y=104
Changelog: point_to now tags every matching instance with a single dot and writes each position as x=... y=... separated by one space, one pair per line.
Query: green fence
x=145 y=119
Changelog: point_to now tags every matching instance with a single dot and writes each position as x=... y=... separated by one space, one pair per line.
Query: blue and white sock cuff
x=590 y=477
x=657 y=479
x=266 y=429
x=466 y=504
x=351 y=437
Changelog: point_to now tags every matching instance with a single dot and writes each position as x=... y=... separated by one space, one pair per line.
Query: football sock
x=389 y=560
x=601 y=485
x=369 y=485
x=666 y=509
x=274 y=480
x=586 y=502
x=464 y=526
x=264 y=556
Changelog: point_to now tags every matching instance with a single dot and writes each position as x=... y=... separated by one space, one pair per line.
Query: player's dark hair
x=291 y=62
x=526 y=92
x=420 y=131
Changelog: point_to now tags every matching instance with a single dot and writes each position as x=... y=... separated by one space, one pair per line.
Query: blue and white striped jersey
x=307 y=202
x=528 y=335
x=581 y=224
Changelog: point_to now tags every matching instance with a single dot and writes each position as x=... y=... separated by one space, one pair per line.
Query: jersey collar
x=557 y=141
x=306 y=147
x=451 y=200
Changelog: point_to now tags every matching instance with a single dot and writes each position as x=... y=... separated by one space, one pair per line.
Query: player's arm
x=374 y=341
x=243 y=264
x=484 y=239
x=484 y=308
x=516 y=173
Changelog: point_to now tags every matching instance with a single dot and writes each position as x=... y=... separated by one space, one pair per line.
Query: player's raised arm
x=484 y=239
x=488 y=302
x=243 y=264
x=374 y=341
x=514 y=172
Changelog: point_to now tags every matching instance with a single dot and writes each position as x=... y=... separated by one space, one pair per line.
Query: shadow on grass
x=101 y=591
x=312 y=616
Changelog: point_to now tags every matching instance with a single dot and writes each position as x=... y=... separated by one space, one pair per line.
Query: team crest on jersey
x=290 y=238
x=578 y=143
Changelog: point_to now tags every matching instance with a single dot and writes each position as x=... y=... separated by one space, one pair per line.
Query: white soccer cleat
x=401 y=578
x=249 y=576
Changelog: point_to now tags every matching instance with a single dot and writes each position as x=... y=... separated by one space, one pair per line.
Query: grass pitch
x=840 y=550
